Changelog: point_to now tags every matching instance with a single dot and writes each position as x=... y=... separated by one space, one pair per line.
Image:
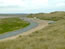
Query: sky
x=31 y=6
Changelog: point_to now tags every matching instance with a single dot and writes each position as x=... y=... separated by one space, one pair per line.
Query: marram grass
x=51 y=37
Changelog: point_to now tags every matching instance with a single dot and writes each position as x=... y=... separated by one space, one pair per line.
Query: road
x=35 y=24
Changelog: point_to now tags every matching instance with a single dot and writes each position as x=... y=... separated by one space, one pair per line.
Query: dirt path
x=41 y=24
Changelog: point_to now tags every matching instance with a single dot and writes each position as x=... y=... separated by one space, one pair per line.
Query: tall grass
x=51 y=37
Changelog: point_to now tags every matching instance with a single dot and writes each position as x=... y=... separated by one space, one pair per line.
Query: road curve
x=35 y=25
x=14 y=33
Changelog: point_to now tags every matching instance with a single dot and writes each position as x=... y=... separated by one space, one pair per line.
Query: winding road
x=35 y=24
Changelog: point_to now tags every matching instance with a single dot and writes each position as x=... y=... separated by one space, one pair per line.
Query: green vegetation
x=10 y=24
x=51 y=37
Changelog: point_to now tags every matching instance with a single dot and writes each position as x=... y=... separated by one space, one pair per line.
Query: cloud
x=61 y=4
x=23 y=3
x=9 y=2
x=56 y=4
x=31 y=5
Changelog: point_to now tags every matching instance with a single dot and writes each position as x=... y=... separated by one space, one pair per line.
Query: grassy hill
x=50 y=16
x=51 y=37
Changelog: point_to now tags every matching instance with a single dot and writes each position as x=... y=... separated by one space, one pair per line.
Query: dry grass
x=51 y=37
x=49 y=16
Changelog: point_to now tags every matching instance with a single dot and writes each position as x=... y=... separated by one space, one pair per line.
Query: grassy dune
x=49 y=16
x=51 y=37
x=10 y=24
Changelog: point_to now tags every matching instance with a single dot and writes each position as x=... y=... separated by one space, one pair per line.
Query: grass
x=55 y=16
x=51 y=37
x=11 y=24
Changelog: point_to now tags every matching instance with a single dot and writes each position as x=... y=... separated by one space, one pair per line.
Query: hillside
x=49 y=16
x=51 y=37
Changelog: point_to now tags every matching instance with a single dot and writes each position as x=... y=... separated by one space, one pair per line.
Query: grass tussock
x=52 y=37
